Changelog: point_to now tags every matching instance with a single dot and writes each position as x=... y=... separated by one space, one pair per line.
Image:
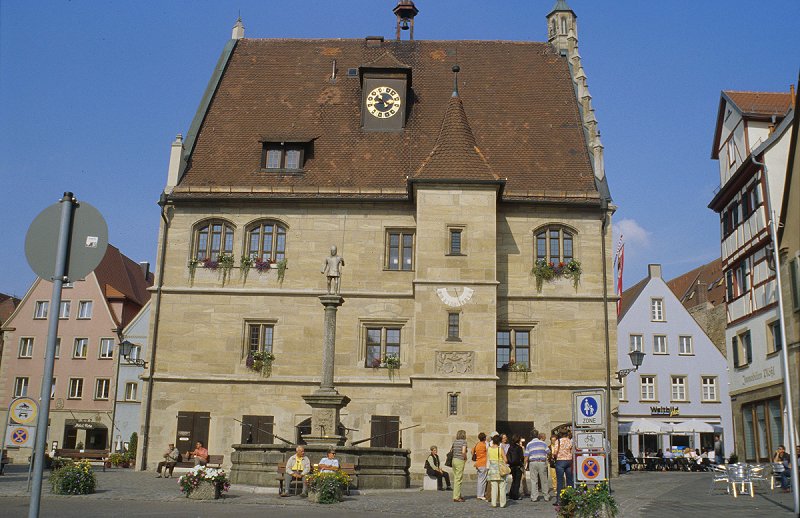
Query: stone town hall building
x=440 y=199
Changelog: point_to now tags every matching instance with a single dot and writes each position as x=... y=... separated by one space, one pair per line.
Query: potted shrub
x=586 y=502
x=203 y=483
x=327 y=487
x=549 y=271
x=73 y=478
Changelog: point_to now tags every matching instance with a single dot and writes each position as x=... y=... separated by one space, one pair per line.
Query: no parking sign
x=20 y=436
x=591 y=468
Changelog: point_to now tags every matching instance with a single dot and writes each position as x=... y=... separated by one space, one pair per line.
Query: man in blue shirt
x=536 y=459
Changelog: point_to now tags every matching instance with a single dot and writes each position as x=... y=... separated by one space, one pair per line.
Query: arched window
x=554 y=244
x=563 y=25
x=212 y=238
x=266 y=240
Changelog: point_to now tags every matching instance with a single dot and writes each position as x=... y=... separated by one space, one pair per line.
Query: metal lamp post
x=637 y=357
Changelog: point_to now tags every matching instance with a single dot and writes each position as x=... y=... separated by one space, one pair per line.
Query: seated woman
x=330 y=462
x=433 y=469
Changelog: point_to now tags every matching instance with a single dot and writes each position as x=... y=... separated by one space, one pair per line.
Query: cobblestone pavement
x=131 y=493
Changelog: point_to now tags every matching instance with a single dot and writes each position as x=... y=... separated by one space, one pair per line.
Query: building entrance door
x=192 y=427
x=70 y=437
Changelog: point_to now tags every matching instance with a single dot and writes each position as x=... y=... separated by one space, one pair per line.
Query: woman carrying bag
x=497 y=471
x=459 y=452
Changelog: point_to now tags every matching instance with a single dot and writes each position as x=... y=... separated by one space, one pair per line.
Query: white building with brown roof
x=442 y=190
x=751 y=143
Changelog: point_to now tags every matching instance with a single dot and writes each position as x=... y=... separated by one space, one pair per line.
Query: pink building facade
x=92 y=314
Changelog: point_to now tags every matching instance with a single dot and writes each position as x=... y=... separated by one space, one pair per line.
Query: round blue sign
x=589 y=406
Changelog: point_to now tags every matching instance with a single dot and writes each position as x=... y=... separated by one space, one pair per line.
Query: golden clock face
x=383 y=102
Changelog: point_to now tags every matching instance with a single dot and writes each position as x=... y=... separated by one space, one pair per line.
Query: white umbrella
x=645 y=426
x=692 y=426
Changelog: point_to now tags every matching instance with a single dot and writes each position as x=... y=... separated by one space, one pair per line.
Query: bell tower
x=405 y=10
x=562 y=26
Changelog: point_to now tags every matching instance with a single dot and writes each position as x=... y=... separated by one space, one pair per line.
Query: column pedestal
x=326 y=403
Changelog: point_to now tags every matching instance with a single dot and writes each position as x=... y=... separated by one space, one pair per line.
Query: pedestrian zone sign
x=20 y=436
x=588 y=410
x=23 y=410
x=591 y=468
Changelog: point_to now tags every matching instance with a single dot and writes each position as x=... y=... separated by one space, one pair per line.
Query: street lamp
x=637 y=357
x=125 y=349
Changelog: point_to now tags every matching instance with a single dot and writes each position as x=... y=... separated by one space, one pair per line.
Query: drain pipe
x=604 y=225
x=787 y=382
x=162 y=202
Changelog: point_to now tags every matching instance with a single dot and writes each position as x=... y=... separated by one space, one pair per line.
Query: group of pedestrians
x=501 y=463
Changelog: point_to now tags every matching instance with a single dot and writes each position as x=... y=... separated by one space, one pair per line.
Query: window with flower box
x=212 y=238
x=514 y=349
x=381 y=343
x=259 y=337
x=266 y=241
x=553 y=244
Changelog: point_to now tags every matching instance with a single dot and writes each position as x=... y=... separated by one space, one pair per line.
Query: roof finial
x=456 y=70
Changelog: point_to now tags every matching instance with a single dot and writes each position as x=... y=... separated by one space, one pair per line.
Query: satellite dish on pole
x=88 y=241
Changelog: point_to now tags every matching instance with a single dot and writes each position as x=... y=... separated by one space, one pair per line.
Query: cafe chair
x=720 y=476
x=739 y=476
x=775 y=475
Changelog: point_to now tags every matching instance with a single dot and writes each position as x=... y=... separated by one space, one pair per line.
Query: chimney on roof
x=145 y=267
x=654 y=271
x=405 y=10
x=238 y=30
x=174 y=163
x=791 y=93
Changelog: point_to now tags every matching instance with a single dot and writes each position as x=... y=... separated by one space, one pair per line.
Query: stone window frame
x=384 y=323
x=26 y=344
x=679 y=381
x=276 y=252
x=514 y=327
x=75 y=390
x=105 y=385
x=714 y=386
x=685 y=339
x=453 y=330
x=131 y=395
x=654 y=386
x=665 y=351
x=41 y=309
x=109 y=355
x=263 y=323
x=75 y=354
x=623 y=396
x=402 y=233
x=227 y=235
x=456 y=247
x=657 y=313
x=453 y=404
x=64 y=309
x=85 y=309
x=632 y=343
x=21 y=386
x=543 y=232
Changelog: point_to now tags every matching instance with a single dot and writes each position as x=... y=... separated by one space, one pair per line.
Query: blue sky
x=92 y=94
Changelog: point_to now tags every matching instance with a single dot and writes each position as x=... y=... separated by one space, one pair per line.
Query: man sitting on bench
x=200 y=454
x=330 y=462
x=168 y=464
x=297 y=467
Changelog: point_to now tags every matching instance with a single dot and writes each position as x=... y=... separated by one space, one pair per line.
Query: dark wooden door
x=258 y=429
x=385 y=431
x=192 y=427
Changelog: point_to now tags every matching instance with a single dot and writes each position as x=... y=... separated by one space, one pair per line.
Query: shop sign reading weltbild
x=670 y=411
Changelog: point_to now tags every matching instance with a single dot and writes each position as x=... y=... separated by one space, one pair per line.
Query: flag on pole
x=619 y=264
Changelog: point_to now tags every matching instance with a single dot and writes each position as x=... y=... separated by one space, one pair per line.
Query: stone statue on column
x=332 y=268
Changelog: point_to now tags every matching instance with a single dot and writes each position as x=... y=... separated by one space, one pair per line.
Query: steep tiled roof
x=120 y=277
x=761 y=103
x=519 y=95
x=630 y=295
x=703 y=284
x=7 y=306
x=455 y=155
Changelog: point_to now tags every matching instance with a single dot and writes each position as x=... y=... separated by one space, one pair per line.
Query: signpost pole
x=64 y=232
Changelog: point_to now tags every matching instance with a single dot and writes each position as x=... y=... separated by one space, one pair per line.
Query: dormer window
x=279 y=155
x=283 y=156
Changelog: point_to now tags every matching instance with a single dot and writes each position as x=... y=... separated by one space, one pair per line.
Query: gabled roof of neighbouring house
x=752 y=105
x=121 y=277
x=705 y=283
x=630 y=295
x=520 y=98
x=7 y=306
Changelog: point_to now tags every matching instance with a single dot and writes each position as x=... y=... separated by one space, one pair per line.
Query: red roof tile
x=520 y=97
x=119 y=277
x=703 y=284
x=630 y=295
x=761 y=103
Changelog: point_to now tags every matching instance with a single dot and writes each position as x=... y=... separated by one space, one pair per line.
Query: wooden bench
x=89 y=455
x=348 y=468
x=214 y=461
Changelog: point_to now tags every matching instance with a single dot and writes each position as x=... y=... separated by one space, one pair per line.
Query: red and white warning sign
x=591 y=468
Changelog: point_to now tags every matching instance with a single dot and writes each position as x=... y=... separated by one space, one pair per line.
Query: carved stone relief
x=455 y=362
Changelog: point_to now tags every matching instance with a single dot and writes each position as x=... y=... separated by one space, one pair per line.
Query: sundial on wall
x=457 y=299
